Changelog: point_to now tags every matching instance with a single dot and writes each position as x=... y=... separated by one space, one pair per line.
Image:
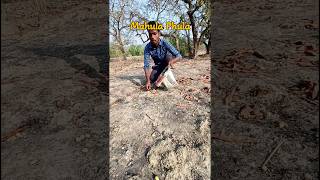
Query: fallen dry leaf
x=188 y=97
x=310 y=88
x=311 y=25
x=251 y=113
x=258 y=55
x=184 y=81
x=236 y=61
x=298 y=43
x=206 y=90
x=258 y=91
x=182 y=106
x=229 y=96
x=305 y=63
x=315 y=91
x=309 y=50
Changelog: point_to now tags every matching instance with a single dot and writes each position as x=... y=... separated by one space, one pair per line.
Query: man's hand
x=173 y=61
x=147 y=74
x=171 y=64
x=148 y=86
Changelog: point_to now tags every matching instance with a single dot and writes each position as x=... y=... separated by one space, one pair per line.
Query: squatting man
x=163 y=55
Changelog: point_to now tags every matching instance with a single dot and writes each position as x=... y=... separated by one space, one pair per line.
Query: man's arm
x=147 y=68
x=174 y=52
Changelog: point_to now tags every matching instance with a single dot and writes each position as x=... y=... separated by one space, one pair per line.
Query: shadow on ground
x=68 y=54
x=136 y=80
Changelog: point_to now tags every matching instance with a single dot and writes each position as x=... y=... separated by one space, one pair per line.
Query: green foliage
x=133 y=50
x=114 y=51
x=136 y=50
x=183 y=45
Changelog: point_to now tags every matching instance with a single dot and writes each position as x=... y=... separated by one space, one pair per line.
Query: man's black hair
x=153 y=23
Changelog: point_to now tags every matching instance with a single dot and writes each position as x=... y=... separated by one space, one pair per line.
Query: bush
x=183 y=43
x=136 y=50
x=114 y=51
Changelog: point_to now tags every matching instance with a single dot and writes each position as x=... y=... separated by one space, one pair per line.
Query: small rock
x=12 y=138
x=282 y=124
x=307 y=176
x=85 y=150
x=33 y=162
x=264 y=168
x=78 y=139
x=130 y=163
x=19 y=134
x=87 y=135
x=82 y=137
x=252 y=164
x=153 y=134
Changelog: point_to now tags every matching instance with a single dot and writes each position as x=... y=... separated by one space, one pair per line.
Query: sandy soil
x=267 y=56
x=160 y=132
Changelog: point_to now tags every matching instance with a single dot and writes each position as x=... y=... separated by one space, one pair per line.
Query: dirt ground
x=53 y=94
x=160 y=132
x=266 y=91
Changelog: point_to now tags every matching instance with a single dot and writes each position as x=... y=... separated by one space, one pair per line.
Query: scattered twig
x=258 y=55
x=13 y=133
x=149 y=117
x=228 y=98
x=236 y=139
x=271 y=154
x=309 y=101
x=120 y=100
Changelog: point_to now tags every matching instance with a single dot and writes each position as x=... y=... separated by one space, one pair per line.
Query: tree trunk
x=121 y=47
x=208 y=46
x=189 y=44
x=177 y=42
x=194 y=34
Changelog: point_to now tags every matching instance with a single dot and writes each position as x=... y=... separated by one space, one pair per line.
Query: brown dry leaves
x=185 y=81
x=310 y=24
x=235 y=61
x=229 y=97
x=232 y=138
x=251 y=113
x=309 y=88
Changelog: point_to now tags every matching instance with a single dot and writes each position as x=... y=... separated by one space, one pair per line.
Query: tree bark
x=208 y=46
x=194 y=34
x=177 y=42
x=189 y=44
x=121 y=47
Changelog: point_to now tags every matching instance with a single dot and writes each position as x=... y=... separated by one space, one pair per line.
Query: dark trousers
x=159 y=68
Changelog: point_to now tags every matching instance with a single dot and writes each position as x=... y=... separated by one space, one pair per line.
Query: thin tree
x=119 y=20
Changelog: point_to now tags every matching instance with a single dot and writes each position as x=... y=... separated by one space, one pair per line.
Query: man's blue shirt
x=159 y=53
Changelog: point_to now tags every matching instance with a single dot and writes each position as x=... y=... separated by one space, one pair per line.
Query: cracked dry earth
x=160 y=132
